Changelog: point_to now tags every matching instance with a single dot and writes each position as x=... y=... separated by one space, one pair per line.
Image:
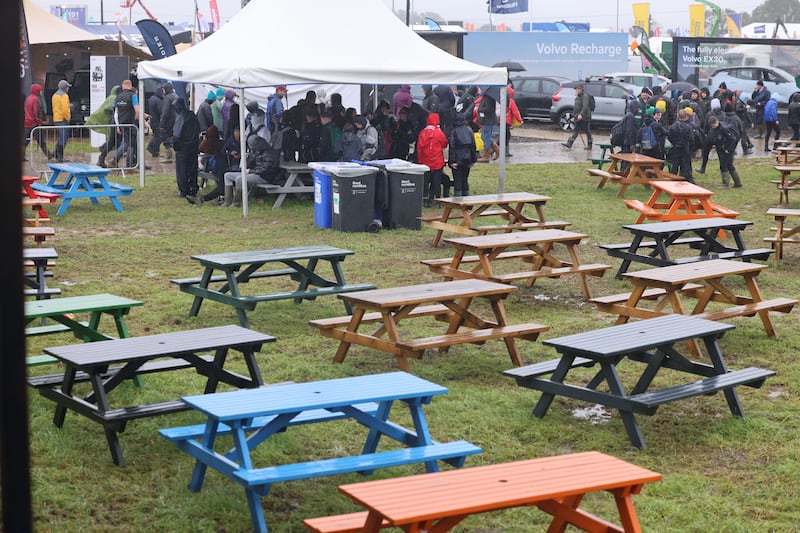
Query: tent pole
x=140 y=135
x=503 y=110
x=243 y=155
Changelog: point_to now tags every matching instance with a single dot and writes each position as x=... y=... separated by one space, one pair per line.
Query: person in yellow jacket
x=61 y=116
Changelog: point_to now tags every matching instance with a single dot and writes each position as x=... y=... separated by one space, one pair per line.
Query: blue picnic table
x=81 y=180
x=256 y=415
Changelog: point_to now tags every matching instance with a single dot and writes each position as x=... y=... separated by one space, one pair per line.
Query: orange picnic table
x=627 y=169
x=678 y=200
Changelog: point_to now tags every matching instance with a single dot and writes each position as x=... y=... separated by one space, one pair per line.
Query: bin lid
x=399 y=165
x=343 y=169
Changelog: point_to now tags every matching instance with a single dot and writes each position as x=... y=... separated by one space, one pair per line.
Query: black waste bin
x=353 y=196
x=406 y=193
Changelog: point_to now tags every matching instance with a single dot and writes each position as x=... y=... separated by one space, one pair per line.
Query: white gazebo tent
x=273 y=42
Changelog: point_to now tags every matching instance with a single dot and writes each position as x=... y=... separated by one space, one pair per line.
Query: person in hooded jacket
x=630 y=128
x=216 y=161
x=513 y=116
x=652 y=118
x=61 y=117
x=723 y=138
x=167 y=123
x=732 y=118
x=430 y=152
x=447 y=107
x=337 y=110
x=204 y=114
x=462 y=154
x=227 y=103
x=793 y=117
x=186 y=143
x=311 y=136
x=216 y=107
x=33 y=118
x=349 y=147
x=402 y=136
x=402 y=98
x=771 y=122
x=715 y=111
x=154 y=104
x=681 y=136
x=263 y=167
x=368 y=135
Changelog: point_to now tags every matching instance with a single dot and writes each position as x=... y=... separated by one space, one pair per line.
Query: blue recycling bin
x=323 y=193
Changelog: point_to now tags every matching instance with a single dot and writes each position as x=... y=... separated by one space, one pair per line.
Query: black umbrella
x=512 y=66
x=679 y=86
x=493 y=91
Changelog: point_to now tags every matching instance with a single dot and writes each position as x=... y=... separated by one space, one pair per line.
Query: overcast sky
x=599 y=13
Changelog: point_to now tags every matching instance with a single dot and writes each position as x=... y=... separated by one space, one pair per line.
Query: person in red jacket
x=431 y=143
x=513 y=118
x=33 y=118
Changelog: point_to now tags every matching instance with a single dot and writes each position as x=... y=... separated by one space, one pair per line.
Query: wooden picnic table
x=651 y=342
x=81 y=180
x=703 y=280
x=653 y=242
x=628 y=169
x=678 y=200
x=539 y=252
x=39 y=259
x=460 y=213
x=294 y=184
x=438 y=502
x=447 y=302
x=783 y=234
x=263 y=414
x=299 y=264
x=786 y=152
x=107 y=364
x=786 y=182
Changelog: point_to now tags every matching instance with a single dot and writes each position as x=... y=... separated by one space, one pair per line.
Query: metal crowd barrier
x=84 y=145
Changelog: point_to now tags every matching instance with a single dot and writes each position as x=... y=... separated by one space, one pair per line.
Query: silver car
x=610 y=99
x=780 y=83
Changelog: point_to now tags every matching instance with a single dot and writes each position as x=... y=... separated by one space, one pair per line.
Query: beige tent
x=50 y=36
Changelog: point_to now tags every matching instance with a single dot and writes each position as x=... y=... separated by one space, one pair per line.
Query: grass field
x=721 y=474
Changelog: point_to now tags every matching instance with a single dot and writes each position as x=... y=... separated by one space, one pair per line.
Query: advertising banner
x=697 y=20
x=641 y=16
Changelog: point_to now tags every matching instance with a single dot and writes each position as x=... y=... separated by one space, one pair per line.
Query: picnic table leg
x=626 y=263
x=110 y=428
x=628 y=418
x=305 y=280
x=444 y=219
x=558 y=377
x=205 y=279
x=66 y=388
x=256 y=512
x=715 y=355
x=233 y=287
x=627 y=512
x=207 y=442
x=344 y=345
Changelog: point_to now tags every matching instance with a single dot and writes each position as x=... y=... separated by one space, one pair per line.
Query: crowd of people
x=694 y=122
x=439 y=132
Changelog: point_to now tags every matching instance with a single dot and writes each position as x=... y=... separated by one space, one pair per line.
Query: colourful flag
x=212 y=4
x=734 y=25
x=697 y=20
x=641 y=16
x=505 y=7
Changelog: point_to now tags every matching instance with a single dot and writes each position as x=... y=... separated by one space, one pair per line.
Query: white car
x=780 y=83
x=640 y=79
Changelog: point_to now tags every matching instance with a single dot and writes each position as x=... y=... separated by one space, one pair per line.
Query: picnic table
x=29 y=192
x=447 y=302
x=63 y=311
x=786 y=182
x=107 y=364
x=460 y=214
x=294 y=182
x=678 y=200
x=81 y=180
x=299 y=264
x=783 y=234
x=703 y=280
x=439 y=501
x=603 y=159
x=653 y=242
x=651 y=342
x=640 y=169
x=786 y=152
x=254 y=416
x=39 y=259
x=37 y=207
x=539 y=251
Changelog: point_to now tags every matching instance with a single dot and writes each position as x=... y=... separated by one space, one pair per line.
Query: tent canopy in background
x=273 y=42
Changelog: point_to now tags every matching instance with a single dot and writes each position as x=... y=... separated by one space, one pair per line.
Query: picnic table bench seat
x=648 y=294
x=781 y=305
x=592 y=269
x=528 y=331
x=554 y=224
x=691 y=241
x=437 y=311
x=643 y=208
x=513 y=254
x=754 y=253
x=604 y=175
x=39 y=233
x=456 y=216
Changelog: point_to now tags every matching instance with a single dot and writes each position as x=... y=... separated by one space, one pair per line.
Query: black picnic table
x=651 y=342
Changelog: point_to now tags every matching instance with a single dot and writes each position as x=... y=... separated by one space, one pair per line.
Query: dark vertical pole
x=102 y=20
x=408 y=12
x=15 y=479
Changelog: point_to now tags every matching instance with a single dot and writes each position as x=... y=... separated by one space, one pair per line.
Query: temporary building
x=274 y=42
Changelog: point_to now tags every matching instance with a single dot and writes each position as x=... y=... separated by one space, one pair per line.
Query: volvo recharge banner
x=573 y=55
